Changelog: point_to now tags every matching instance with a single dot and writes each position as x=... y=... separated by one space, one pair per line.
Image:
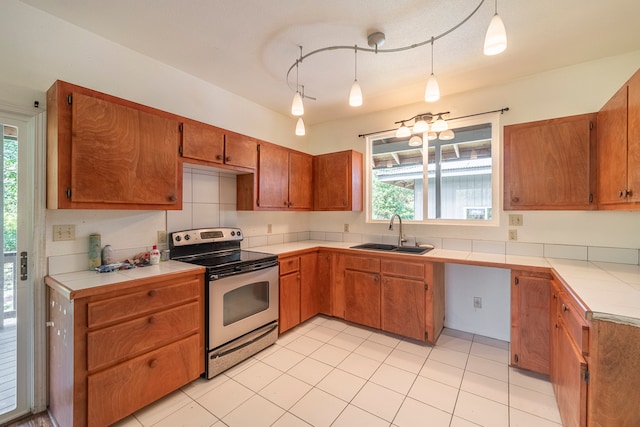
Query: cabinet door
x=241 y=151
x=300 y=179
x=633 y=143
x=120 y=155
x=289 y=301
x=337 y=181
x=324 y=281
x=550 y=164
x=310 y=291
x=403 y=307
x=202 y=142
x=362 y=297
x=273 y=184
x=612 y=149
x=568 y=378
x=530 y=329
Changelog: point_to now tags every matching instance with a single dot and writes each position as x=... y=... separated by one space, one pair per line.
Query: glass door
x=15 y=291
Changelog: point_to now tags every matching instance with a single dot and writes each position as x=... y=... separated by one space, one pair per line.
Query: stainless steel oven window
x=245 y=301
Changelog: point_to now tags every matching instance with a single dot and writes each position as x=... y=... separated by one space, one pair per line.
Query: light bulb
x=495 y=40
x=439 y=125
x=420 y=126
x=355 y=96
x=403 y=131
x=300 y=127
x=297 y=108
x=432 y=91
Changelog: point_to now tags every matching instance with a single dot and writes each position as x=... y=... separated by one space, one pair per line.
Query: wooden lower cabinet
x=403 y=306
x=530 y=322
x=117 y=348
x=362 y=297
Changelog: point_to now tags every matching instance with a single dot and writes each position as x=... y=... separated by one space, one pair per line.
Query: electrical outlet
x=162 y=237
x=64 y=232
x=477 y=302
x=269 y=228
x=513 y=234
x=346 y=228
x=515 y=220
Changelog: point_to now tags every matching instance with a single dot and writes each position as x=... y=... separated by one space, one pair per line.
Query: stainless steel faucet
x=401 y=238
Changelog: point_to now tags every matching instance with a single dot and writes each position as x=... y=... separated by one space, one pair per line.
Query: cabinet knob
x=227 y=159
x=515 y=199
x=621 y=194
x=152 y=293
x=285 y=203
x=151 y=320
x=153 y=363
x=565 y=308
x=173 y=198
x=219 y=157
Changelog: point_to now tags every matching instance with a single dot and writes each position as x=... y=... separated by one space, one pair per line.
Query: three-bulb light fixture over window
x=495 y=42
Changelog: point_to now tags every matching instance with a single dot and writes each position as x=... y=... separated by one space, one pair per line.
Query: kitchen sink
x=393 y=248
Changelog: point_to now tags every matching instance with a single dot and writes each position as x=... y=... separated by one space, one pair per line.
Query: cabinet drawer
x=139 y=303
x=574 y=320
x=289 y=265
x=114 y=343
x=119 y=391
x=361 y=263
x=404 y=269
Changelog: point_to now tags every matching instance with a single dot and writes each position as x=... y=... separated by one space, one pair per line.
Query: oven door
x=241 y=303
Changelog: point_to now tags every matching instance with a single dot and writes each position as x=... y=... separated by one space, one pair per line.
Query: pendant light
x=495 y=41
x=355 y=96
x=297 y=107
x=415 y=141
x=432 y=91
x=403 y=131
x=300 y=131
x=439 y=125
x=420 y=126
x=446 y=135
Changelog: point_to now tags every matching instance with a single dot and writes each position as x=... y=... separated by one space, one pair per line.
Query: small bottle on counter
x=107 y=255
x=154 y=256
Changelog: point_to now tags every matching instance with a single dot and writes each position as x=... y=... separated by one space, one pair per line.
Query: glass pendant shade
x=439 y=125
x=431 y=135
x=355 y=96
x=446 y=135
x=300 y=131
x=432 y=91
x=495 y=40
x=415 y=141
x=403 y=131
x=420 y=126
x=297 y=108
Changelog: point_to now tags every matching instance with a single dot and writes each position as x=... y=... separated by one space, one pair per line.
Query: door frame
x=33 y=341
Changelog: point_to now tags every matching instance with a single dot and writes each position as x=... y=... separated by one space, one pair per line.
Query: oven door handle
x=249 y=341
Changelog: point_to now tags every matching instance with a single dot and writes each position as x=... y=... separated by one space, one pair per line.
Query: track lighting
x=495 y=42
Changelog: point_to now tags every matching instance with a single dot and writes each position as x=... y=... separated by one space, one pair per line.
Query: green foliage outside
x=389 y=199
x=10 y=177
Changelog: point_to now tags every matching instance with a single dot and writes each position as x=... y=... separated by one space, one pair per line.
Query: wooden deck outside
x=8 y=367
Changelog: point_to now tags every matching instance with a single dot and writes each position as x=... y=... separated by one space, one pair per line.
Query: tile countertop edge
x=594 y=312
x=83 y=283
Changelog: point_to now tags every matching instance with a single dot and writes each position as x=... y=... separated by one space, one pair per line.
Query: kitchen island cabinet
x=530 y=321
x=551 y=164
x=104 y=152
x=283 y=181
x=119 y=347
x=619 y=148
x=337 y=181
x=212 y=146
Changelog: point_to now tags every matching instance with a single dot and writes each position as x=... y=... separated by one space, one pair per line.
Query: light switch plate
x=64 y=232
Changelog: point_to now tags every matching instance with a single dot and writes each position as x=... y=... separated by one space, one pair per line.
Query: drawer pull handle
x=153 y=363
x=153 y=293
x=152 y=320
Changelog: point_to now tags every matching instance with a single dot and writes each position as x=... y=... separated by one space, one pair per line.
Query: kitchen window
x=441 y=181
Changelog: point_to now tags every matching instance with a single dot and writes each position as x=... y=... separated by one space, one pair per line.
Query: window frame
x=496 y=174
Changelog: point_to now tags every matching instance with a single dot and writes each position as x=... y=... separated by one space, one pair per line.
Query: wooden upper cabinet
x=212 y=145
x=283 y=181
x=619 y=148
x=337 y=183
x=107 y=153
x=551 y=164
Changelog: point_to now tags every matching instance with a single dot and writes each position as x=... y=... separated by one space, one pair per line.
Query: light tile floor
x=327 y=372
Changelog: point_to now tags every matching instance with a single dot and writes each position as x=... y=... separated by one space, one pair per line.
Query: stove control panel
x=205 y=235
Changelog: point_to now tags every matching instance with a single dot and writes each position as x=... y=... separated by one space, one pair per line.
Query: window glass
x=460 y=174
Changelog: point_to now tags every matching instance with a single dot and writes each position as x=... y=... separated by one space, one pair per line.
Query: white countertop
x=610 y=291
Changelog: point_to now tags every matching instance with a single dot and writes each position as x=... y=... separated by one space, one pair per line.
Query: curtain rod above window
x=501 y=111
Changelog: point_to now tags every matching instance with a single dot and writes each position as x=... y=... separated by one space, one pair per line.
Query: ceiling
x=247 y=46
